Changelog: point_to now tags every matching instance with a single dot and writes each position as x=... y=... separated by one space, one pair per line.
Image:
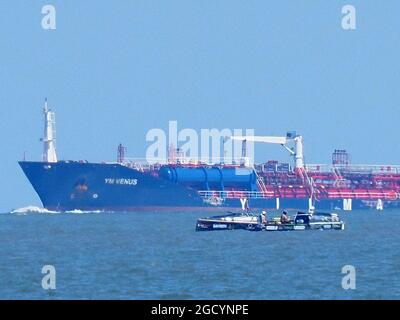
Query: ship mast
x=49 y=138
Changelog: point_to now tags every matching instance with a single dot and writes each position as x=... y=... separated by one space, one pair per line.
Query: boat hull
x=302 y=222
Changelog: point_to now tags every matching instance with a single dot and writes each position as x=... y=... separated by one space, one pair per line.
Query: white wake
x=77 y=211
x=34 y=209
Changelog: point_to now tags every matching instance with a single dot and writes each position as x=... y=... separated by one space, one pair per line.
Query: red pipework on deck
x=341 y=182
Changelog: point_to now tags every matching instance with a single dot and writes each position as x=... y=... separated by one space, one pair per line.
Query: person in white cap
x=264 y=217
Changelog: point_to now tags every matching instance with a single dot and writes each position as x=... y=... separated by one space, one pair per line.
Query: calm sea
x=160 y=256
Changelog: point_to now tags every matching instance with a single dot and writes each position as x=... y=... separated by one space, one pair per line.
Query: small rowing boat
x=253 y=222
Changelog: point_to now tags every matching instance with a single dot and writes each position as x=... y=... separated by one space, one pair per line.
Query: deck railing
x=237 y=194
x=147 y=164
x=358 y=168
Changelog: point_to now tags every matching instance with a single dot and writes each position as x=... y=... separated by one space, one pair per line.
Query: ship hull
x=71 y=185
x=110 y=187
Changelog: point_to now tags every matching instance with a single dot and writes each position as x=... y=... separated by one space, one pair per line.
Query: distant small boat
x=252 y=222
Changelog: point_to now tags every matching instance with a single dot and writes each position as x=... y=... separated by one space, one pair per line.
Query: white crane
x=297 y=152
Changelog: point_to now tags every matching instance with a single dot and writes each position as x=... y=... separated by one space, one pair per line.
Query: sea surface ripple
x=151 y=255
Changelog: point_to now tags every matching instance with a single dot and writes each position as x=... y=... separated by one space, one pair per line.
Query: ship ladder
x=311 y=185
x=261 y=186
x=339 y=180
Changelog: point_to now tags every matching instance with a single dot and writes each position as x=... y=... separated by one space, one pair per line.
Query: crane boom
x=265 y=139
x=298 y=141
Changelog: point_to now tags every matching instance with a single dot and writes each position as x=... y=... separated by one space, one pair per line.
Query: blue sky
x=112 y=70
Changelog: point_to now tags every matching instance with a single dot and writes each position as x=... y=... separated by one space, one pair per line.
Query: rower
x=284 y=217
x=263 y=217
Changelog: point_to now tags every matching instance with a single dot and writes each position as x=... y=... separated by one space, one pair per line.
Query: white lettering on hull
x=121 y=181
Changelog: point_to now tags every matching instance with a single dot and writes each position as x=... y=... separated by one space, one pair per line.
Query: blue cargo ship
x=179 y=185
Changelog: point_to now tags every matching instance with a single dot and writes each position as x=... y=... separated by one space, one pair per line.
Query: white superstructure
x=49 y=138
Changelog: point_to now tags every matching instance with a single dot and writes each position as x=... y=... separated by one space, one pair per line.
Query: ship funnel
x=49 y=138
